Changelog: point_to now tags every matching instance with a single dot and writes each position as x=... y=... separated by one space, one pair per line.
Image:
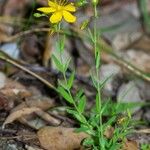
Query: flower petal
x=69 y=17
x=70 y=7
x=56 y=17
x=46 y=9
x=52 y=4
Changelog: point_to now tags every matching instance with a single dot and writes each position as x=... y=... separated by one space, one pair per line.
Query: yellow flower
x=59 y=10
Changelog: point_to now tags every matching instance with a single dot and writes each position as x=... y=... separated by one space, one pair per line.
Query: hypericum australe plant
x=93 y=125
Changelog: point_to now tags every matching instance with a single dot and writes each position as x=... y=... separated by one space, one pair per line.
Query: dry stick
x=13 y=62
x=14 y=37
x=145 y=131
x=102 y=43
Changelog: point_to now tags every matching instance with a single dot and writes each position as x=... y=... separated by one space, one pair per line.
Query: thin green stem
x=97 y=54
x=64 y=75
x=74 y=103
x=66 y=82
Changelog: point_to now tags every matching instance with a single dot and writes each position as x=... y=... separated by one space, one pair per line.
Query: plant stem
x=65 y=78
x=97 y=56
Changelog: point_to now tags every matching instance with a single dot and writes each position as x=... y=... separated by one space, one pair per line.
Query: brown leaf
x=14 y=88
x=60 y=138
x=47 y=117
x=41 y=102
x=109 y=132
x=33 y=120
x=18 y=114
x=130 y=145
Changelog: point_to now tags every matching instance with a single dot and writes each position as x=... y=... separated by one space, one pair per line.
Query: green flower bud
x=95 y=2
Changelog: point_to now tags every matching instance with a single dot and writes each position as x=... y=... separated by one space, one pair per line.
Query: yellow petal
x=69 y=17
x=46 y=9
x=70 y=7
x=56 y=17
x=52 y=4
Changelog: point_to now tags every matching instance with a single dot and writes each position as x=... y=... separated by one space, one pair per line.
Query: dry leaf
x=130 y=145
x=109 y=132
x=41 y=102
x=22 y=114
x=47 y=117
x=33 y=120
x=18 y=114
x=60 y=138
x=14 y=88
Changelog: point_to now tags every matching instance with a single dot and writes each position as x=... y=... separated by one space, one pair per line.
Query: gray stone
x=129 y=92
x=109 y=70
x=144 y=89
x=11 y=49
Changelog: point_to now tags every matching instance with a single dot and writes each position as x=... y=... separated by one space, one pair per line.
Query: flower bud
x=95 y=2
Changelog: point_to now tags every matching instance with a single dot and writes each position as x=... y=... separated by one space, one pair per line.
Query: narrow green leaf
x=79 y=94
x=78 y=116
x=70 y=80
x=97 y=104
x=84 y=24
x=98 y=59
x=94 y=120
x=103 y=82
x=82 y=104
x=66 y=66
x=105 y=106
x=58 y=64
x=60 y=44
x=109 y=122
x=90 y=34
x=94 y=81
x=63 y=84
x=88 y=142
x=65 y=95
x=38 y=15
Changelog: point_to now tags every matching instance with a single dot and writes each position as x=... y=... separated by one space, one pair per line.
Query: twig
x=13 y=62
x=18 y=35
x=146 y=131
